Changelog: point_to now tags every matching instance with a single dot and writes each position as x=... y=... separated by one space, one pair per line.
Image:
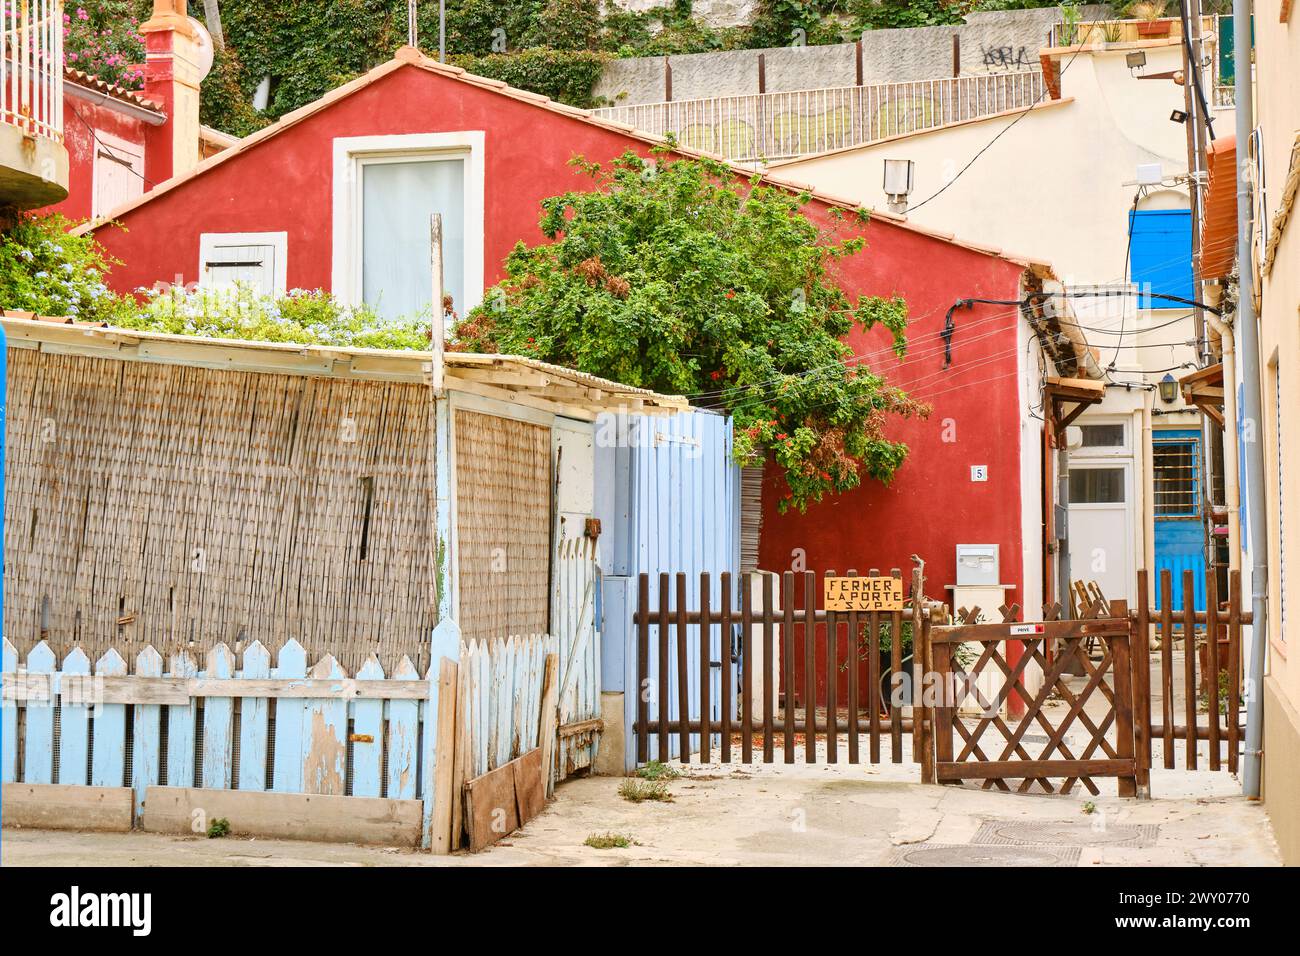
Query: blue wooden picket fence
x=232 y=722
x=501 y=686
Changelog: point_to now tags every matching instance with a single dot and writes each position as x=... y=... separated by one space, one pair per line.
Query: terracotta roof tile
x=110 y=89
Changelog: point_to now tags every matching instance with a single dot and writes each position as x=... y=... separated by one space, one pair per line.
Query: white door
x=575 y=593
x=1102 y=527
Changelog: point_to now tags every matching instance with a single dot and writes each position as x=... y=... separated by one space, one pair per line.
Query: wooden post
x=787 y=659
x=1189 y=664
x=724 y=703
x=918 y=669
x=1141 y=650
x=1234 y=665
x=854 y=666
x=549 y=718
x=769 y=691
x=1122 y=663
x=956 y=54
x=444 y=769
x=683 y=675
x=706 y=672
x=661 y=701
x=857 y=56
x=832 y=721
x=668 y=81
x=1167 y=664
x=762 y=73
x=643 y=668
x=747 y=668
x=438 y=333
x=1212 y=659
x=810 y=666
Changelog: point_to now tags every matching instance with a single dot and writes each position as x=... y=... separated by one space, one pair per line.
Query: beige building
x=1095 y=181
x=1277 y=51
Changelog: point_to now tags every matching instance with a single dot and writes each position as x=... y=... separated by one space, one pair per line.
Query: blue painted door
x=1180 y=532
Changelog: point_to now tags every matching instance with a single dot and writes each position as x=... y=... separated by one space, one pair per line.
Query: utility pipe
x=1248 y=345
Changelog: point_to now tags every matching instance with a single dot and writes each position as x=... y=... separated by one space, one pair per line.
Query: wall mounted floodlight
x=1178 y=116
x=1136 y=60
x=898 y=183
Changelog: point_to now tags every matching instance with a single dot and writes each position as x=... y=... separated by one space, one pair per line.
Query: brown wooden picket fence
x=791 y=710
x=1166 y=631
x=797 y=702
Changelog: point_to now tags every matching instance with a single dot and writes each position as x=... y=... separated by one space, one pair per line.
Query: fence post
x=1122 y=662
x=1141 y=650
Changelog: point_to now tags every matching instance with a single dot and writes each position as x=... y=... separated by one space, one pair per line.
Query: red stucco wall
x=284 y=184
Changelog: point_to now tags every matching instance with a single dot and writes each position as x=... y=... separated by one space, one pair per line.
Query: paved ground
x=800 y=815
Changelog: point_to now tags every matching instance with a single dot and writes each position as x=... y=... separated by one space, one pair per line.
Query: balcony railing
x=1098 y=32
x=770 y=126
x=31 y=67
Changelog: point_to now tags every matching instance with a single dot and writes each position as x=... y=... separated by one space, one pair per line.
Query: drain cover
x=1077 y=833
x=940 y=854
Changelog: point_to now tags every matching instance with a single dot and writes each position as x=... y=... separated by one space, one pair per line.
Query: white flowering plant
x=302 y=316
x=45 y=270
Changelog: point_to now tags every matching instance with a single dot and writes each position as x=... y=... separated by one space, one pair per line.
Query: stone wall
x=989 y=43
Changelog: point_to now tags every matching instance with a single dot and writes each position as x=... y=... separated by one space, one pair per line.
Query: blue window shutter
x=1160 y=255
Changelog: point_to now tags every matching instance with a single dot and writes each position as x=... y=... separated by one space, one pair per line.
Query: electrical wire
x=122 y=160
x=1023 y=113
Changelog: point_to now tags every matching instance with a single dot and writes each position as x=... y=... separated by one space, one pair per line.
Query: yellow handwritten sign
x=863 y=594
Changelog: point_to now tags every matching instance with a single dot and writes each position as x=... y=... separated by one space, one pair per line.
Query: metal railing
x=770 y=126
x=31 y=67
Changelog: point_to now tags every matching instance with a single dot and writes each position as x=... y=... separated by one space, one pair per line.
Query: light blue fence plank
x=38 y=755
x=74 y=719
x=403 y=737
x=289 y=712
x=253 y=713
x=181 y=719
x=9 y=722
x=368 y=721
x=108 y=723
x=325 y=732
x=444 y=642
x=218 y=719
x=146 y=739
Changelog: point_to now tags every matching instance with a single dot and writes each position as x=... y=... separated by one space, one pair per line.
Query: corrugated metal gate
x=669 y=498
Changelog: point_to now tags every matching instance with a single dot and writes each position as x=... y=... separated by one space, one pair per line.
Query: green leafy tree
x=673 y=275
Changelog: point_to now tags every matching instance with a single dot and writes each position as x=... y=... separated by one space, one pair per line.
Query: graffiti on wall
x=1004 y=58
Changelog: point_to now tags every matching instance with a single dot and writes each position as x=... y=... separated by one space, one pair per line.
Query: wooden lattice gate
x=965 y=747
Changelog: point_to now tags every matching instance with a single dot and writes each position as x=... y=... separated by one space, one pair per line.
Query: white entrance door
x=1102 y=527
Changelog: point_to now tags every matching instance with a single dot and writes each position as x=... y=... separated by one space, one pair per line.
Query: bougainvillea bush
x=103 y=39
x=673 y=275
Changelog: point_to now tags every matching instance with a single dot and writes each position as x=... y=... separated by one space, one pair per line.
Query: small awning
x=1204 y=389
x=1219 y=223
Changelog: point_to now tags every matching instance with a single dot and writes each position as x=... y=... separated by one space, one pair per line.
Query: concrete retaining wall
x=989 y=43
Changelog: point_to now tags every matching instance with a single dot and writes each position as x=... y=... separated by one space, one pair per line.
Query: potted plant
x=1148 y=14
